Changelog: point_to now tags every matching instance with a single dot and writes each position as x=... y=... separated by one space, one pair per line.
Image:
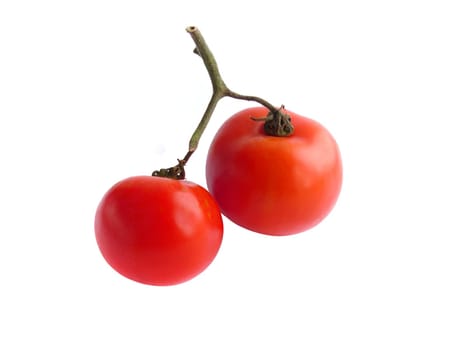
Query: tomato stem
x=276 y=123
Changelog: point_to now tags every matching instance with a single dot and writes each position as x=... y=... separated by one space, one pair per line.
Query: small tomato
x=158 y=231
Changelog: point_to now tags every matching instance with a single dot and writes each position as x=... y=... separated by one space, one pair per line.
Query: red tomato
x=274 y=185
x=158 y=231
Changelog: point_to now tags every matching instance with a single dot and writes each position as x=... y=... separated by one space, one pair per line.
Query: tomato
x=158 y=231
x=269 y=184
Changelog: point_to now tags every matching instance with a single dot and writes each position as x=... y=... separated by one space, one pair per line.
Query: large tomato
x=158 y=231
x=269 y=184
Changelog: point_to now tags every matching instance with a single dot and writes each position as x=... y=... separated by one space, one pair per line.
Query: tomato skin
x=274 y=185
x=158 y=231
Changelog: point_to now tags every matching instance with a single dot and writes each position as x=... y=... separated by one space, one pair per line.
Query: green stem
x=210 y=63
x=215 y=98
x=252 y=98
x=276 y=116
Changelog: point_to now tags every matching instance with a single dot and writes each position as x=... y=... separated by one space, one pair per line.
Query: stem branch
x=220 y=90
x=193 y=144
x=261 y=101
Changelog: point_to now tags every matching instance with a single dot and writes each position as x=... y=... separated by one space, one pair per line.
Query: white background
x=95 y=91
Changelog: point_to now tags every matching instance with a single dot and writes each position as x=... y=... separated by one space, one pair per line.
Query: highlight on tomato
x=276 y=185
x=158 y=231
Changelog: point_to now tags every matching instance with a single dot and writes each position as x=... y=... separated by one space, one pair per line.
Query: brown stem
x=220 y=90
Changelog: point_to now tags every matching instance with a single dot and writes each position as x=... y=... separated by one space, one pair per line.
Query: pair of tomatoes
x=161 y=231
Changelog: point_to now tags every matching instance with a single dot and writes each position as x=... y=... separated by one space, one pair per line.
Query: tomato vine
x=276 y=123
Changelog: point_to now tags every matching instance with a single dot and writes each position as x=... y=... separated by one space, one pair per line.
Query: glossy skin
x=274 y=185
x=158 y=231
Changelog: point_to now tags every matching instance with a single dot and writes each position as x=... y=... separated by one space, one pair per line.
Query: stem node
x=176 y=172
x=277 y=123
